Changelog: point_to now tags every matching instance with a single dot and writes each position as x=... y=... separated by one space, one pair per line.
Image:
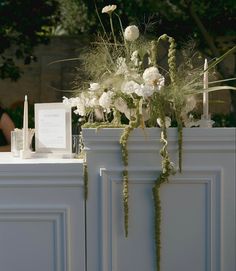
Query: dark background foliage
x=23 y=25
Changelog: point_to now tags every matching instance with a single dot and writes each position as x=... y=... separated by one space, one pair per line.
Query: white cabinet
x=198 y=206
x=42 y=215
x=45 y=224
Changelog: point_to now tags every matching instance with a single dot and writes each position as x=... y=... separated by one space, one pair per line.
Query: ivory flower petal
x=109 y=9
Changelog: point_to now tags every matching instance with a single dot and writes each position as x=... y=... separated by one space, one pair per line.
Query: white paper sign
x=52 y=128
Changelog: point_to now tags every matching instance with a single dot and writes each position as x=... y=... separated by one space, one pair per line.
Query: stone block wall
x=42 y=81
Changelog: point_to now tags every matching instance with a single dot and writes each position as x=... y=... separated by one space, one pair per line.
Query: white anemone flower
x=109 y=9
x=131 y=33
x=151 y=76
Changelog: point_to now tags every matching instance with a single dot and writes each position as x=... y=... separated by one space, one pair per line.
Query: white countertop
x=7 y=158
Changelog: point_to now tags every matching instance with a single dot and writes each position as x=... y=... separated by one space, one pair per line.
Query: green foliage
x=23 y=25
x=75 y=16
x=155 y=17
x=218 y=16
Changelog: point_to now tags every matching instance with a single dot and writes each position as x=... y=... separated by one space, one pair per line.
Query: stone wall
x=42 y=81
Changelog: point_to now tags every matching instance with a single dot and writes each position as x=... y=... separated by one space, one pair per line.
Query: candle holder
x=206 y=121
x=17 y=142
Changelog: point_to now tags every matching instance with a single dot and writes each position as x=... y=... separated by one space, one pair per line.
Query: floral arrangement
x=127 y=86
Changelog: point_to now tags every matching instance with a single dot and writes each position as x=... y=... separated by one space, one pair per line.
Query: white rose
x=145 y=91
x=106 y=99
x=131 y=33
x=152 y=76
x=130 y=87
x=167 y=122
x=109 y=9
x=94 y=86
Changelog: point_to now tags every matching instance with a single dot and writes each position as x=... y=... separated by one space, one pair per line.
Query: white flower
x=151 y=76
x=105 y=100
x=81 y=105
x=145 y=91
x=93 y=102
x=94 y=86
x=80 y=110
x=131 y=33
x=71 y=101
x=167 y=122
x=65 y=100
x=109 y=9
x=130 y=87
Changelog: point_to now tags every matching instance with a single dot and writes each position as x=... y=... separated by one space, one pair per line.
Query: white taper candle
x=25 y=125
x=205 y=93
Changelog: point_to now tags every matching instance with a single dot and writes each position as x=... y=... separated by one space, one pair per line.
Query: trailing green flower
x=167 y=170
x=134 y=123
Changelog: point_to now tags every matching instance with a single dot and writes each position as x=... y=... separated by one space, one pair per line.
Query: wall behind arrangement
x=42 y=81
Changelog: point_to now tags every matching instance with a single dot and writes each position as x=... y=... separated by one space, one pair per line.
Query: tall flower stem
x=112 y=29
x=99 y=18
x=122 y=31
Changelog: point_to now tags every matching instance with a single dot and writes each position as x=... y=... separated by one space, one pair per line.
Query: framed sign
x=52 y=128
